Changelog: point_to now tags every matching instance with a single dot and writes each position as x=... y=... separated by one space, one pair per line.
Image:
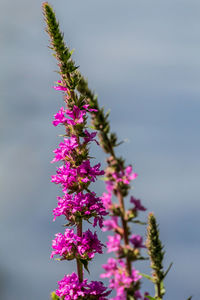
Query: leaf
x=139 y=222
x=85 y=264
x=131 y=298
x=165 y=274
x=146 y=276
x=104 y=178
x=149 y=297
x=54 y=296
x=143 y=258
x=189 y=298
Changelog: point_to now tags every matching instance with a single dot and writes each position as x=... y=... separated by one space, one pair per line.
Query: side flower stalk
x=123 y=276
x=78 y=202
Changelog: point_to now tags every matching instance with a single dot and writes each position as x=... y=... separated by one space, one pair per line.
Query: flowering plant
x=79 y=203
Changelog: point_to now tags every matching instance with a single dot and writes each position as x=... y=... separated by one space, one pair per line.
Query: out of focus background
x=143 y=60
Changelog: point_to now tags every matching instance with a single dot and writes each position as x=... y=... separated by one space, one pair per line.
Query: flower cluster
x=80 y=205
x=70 y=245
x=120 y=279
x=71 y=288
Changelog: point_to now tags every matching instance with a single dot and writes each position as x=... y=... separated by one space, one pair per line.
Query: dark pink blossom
x=146 y=294
x=68 y=176
x=70 y=288
x=76 y=114
x=138 y=295
x=137 y=241
x=97 y=289
x=70 y=246
x=84 y=205
x=90 y=244
x=90 y=137
x=138 y=205
x=92 y=172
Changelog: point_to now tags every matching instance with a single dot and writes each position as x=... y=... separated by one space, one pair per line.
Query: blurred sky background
x=143 y=60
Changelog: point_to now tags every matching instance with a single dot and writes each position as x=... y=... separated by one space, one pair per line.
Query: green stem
x=79 y=264
x=125 y=230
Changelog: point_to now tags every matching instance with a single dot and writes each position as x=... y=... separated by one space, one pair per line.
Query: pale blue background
x=143 y=60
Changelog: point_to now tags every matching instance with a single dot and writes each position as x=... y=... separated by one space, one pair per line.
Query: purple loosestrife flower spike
x=75 y=175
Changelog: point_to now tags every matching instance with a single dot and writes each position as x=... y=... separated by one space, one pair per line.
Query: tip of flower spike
x=44 y=4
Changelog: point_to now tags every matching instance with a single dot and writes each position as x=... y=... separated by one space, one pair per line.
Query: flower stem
x=79 y=264
x=125 y=230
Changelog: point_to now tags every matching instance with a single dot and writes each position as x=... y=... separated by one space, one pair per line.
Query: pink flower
x=106 y=199
x=70 y=287
x=89 y=109
x=90 y=244
x=129 y=173
x=65 y=148
x=60 y=117
x=65 y=245
x=110 y=224
x=119 y=279
x=125 y=176
x=135 y=275
x=113 y=243
x=110 y=268
x=60 y=87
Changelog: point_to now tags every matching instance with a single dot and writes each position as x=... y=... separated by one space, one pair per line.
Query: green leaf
x=143 y=258
x=85 y=264
x=165 y=274
x=138 y=222
x=149 y=297
x=146 y=276
x=189 y=298
x=104 y=178
x=54 y=296
x=131 y=298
